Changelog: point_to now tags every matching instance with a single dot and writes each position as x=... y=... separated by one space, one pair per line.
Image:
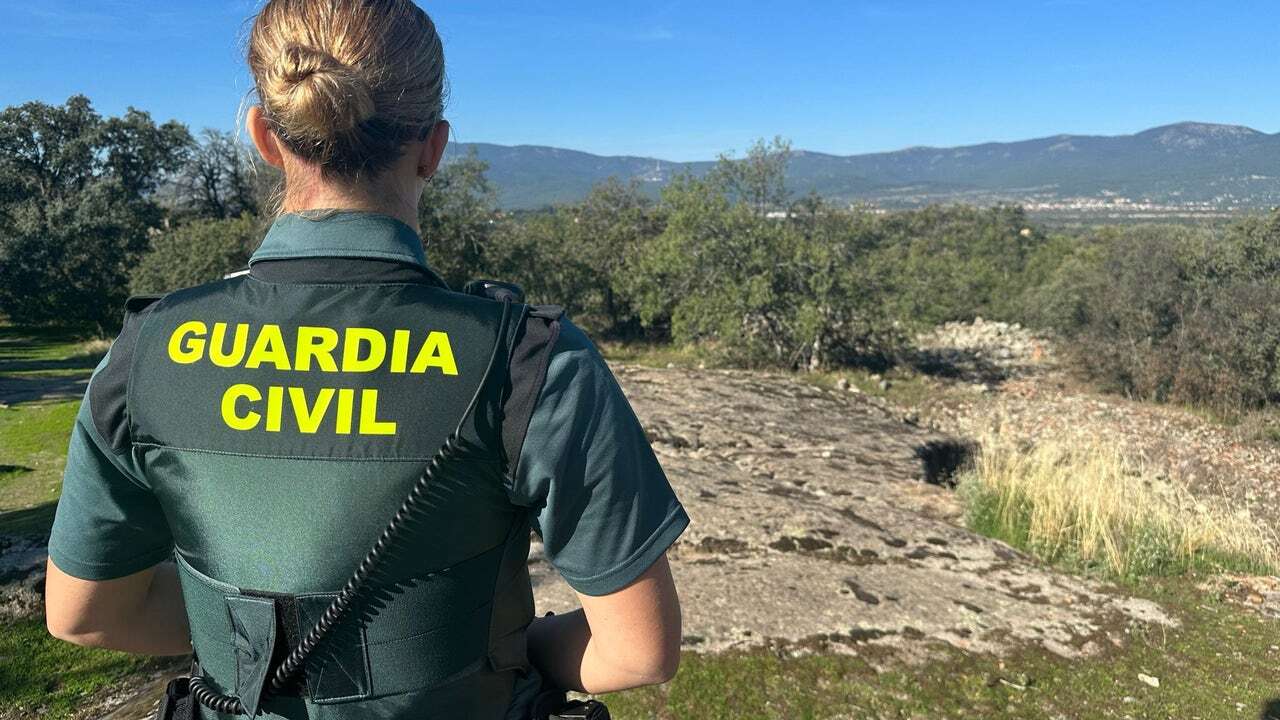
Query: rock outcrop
x=815 y=526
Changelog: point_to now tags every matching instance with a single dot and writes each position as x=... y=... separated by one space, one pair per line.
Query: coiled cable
x=202 y=693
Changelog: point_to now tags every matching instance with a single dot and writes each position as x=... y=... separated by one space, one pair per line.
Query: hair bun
x=317 y=97
x=347 y=84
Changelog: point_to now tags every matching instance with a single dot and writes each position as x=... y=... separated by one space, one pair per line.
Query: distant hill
x=1188 y=165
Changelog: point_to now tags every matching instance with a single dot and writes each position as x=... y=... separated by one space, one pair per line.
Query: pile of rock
x=983 y=350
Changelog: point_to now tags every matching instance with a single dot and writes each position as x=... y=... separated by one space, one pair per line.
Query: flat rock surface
x=814 y=525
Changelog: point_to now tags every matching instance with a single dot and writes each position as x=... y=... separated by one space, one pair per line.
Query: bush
x=457 y=218
x=759 y=284
x=195 y=253
x=1173 y=313
x=575 y=255
x=956 y=263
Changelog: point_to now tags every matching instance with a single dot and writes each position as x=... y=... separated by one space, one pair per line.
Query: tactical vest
x=280 y=425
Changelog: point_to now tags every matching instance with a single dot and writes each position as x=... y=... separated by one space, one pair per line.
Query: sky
x=691 y=79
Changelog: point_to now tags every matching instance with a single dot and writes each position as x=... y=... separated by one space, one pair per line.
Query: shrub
x=195 y=253
x=1173 y=313
x=947 y=263
x=789 y=286
x=456 y=216
x=576 y=255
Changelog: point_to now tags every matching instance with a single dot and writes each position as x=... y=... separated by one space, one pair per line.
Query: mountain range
x=1204 y=166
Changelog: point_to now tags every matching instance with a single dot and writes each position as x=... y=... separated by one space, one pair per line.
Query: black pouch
x=582 y=710
x=177 y=703
x=552 y=705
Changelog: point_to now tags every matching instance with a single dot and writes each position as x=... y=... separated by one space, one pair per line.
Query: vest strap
x=253 y=626
x=530 y=356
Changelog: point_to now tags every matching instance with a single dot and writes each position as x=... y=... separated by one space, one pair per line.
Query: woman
x=262 y=430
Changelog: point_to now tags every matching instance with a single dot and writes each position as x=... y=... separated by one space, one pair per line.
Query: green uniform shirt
x=592 y=485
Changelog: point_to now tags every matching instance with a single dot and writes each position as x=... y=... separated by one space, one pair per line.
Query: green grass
x=1153 y=550
x=25 y=348
x=33 y=447
x=1221 y=663
x=39 y=675
x=34 y=434
x=48 y=678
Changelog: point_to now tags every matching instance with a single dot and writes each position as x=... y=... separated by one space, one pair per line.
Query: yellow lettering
x=399 y=351
x=275 y=407
x=249 y=420
x=346 y=398
x=268 y=348
x=435 y=353
x=186 y=344
x=238 y=343
x=318 y=343
x=351 y=360
x=309 y=419
x=369 y=422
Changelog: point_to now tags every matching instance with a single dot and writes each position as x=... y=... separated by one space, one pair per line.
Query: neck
x=399 y=203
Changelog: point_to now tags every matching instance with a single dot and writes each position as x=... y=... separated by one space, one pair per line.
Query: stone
x=800 y=485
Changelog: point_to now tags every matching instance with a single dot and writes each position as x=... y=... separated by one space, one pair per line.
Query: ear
x=264 y=139
x=433 y=150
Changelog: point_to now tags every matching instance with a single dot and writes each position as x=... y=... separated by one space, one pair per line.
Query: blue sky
x=690 y=79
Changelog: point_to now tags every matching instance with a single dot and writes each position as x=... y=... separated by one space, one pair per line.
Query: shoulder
x=574 y=363
x=109 y=385
x=577 y=384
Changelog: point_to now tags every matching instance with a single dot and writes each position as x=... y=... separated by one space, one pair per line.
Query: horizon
x=687 y=82
x=813 y=151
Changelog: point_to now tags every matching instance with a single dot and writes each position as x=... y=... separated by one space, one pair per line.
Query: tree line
x=93 y=209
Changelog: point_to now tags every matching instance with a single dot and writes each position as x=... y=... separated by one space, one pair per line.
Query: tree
x=76 y=205
x=613 y=223
x=790 y=290
x=575 y=255
x=760 y=179
x=956 y=263
x=221 y=180
x=457 y=216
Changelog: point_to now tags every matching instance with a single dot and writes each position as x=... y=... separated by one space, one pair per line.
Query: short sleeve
x=604 y=507
x=108 y=524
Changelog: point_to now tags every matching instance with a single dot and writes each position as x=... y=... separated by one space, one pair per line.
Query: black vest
x=281 y=421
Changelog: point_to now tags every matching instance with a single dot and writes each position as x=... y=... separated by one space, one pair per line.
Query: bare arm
x=617 y=641
x=139 y=613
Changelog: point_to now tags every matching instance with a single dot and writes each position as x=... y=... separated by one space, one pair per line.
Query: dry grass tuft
x=1087 y=505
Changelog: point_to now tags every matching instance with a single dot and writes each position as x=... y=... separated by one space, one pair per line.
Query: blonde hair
x=346 y=83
